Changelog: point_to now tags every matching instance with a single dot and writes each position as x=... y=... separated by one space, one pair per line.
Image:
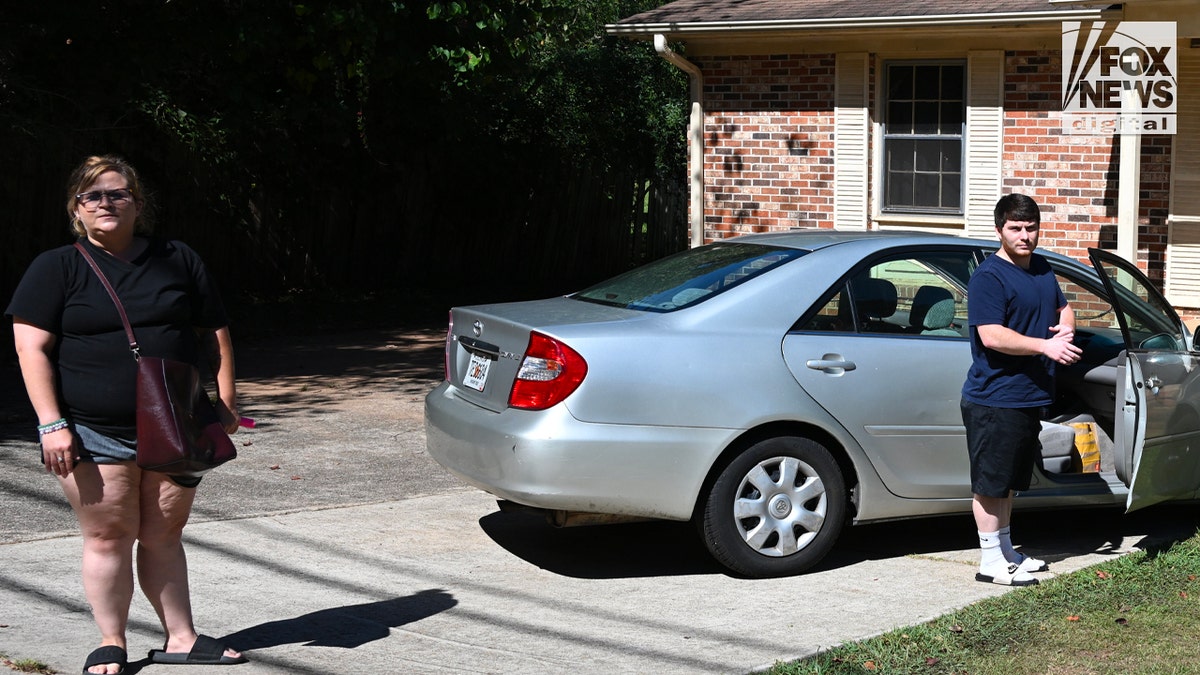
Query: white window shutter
x=851 y=131
x=1183 y=220
x=985 y=140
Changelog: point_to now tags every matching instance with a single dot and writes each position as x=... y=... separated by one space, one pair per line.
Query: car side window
x=917 y=295
x=1092 y=311
x=835 y=316
x=1098 y=328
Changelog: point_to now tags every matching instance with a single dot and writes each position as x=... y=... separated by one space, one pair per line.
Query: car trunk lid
x=487 y=344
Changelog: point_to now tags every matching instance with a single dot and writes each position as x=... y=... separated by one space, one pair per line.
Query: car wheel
x=776 y=509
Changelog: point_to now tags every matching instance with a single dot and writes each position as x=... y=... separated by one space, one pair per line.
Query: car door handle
x=833 y=366
x=1154 y=383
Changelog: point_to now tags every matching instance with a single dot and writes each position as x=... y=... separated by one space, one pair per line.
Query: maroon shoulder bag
x=178 y=431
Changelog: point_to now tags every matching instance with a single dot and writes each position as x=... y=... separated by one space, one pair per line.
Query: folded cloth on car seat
x=1058 y=445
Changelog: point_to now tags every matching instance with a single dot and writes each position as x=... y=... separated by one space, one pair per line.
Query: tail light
x=449 y=340
x=549 y=373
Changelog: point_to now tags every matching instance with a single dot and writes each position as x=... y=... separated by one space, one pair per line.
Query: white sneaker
x=1010 y=575
x=1028 y=564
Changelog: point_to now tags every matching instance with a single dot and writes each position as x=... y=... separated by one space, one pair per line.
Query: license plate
x=477 y=372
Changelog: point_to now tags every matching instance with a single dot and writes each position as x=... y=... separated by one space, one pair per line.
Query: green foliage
x=203 y=136
x=221 y=75
x=1133 y=614
x=25 y=666
x=290 y=122
x=485 y=33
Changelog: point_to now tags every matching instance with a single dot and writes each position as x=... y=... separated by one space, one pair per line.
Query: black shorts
x=1003 y=446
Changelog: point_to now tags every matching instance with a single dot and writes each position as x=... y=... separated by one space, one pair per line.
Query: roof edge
x=704 y=28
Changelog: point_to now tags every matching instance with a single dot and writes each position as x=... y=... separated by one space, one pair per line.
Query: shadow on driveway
x=348 y=627
x=663 y=548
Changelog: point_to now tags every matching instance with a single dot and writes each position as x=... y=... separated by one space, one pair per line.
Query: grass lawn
x=1137 y=614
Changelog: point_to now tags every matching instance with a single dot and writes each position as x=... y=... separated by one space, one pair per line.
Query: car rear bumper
x=550 y=460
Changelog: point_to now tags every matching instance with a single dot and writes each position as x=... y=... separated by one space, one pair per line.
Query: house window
x=923 y=137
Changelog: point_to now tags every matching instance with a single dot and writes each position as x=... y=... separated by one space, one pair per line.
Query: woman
x=80 y=377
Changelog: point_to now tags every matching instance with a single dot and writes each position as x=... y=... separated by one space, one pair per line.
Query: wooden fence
x=446 y=220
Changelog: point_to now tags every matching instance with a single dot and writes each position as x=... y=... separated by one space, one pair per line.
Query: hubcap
x=780 y=506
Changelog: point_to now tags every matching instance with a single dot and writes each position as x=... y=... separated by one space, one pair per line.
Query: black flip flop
x=206 y=652
x=106 y=654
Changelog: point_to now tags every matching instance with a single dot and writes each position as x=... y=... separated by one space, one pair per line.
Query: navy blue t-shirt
x=166 y=293
x=1026 y=301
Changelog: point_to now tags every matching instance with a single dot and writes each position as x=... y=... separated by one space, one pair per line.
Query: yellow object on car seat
x=1087 y=446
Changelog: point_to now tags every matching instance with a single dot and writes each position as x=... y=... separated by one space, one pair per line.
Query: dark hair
x=89 y=172
x=1019 y=208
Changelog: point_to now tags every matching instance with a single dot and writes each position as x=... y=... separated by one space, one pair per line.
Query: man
x=1021 y=327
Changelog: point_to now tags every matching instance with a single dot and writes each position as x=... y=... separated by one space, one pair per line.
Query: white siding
x=850 y=177
x=1183 y=234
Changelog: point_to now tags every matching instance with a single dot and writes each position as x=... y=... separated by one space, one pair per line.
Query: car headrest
x=923 y=299
x=874 y=297
x=941 y=315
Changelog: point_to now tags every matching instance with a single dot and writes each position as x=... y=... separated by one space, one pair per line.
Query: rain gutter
x=779 y=25
x=695 y=135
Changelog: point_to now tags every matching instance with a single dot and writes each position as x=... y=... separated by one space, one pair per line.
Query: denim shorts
x=101 y=449
x=1003 y=445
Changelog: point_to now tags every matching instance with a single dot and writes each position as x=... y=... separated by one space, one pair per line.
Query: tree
x=282 y=135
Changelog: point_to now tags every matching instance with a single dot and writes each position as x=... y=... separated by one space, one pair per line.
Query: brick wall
x=1074 y=177
x=769 y=154
x=769 y=143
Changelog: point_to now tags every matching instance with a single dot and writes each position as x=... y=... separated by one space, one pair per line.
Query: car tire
x=776 y=509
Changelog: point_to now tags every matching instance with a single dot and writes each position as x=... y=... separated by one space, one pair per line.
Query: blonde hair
x=89 y=171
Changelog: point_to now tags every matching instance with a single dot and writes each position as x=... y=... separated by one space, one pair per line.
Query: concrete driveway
x=334 y=544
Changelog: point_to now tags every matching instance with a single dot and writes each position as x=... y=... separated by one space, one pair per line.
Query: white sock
x=1006 y=545
x=991 y=555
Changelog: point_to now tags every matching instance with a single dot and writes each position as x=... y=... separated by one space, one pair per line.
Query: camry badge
x=477 y=328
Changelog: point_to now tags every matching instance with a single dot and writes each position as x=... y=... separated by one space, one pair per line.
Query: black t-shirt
x=166 y=293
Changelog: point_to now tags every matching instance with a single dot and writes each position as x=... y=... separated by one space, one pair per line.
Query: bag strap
x=133 y=345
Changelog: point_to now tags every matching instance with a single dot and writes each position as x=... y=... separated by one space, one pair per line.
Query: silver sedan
x=775 y=388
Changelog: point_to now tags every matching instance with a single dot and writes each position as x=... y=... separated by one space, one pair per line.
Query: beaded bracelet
x=51 y=427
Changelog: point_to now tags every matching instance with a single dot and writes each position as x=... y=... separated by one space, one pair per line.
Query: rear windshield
x=687 y=278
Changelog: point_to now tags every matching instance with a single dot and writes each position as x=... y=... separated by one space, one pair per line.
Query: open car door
x=1158 y=412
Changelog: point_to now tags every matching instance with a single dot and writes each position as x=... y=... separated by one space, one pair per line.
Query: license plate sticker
x=477 y=372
